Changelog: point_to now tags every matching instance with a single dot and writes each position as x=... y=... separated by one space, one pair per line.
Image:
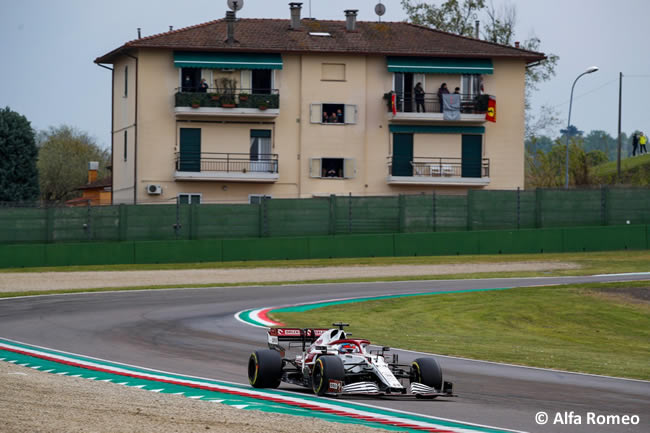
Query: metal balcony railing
x=435 y=167
x=431 y=103
x=227 y=162
x=228 y=98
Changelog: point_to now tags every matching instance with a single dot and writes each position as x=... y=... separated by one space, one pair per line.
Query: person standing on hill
x=635 y=143
x=643 y=140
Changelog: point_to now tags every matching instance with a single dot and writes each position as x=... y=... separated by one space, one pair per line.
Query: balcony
x=472 y=108
x=438 y=171
x=228 y=167
x=220 y=102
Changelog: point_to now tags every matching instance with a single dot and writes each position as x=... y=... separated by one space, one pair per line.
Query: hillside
x=635 y=171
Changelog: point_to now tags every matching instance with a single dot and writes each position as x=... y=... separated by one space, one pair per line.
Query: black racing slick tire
x=427 y=372
x=327 y=368
x=265 y=369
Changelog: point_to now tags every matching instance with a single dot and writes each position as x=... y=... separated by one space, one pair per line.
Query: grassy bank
x=591 y=328
x=590 y=263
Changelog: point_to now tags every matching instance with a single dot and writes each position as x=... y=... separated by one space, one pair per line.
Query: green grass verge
x=609 y=168
x=590 y=263
x=591 y=328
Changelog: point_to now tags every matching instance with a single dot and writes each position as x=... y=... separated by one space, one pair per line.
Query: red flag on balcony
x=393 y=106
x=491 y=113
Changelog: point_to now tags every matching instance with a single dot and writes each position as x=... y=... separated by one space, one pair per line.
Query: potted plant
x=195 y=103
x=229 y=87
x=227 y=101
x=243 y=96
x=215 y=96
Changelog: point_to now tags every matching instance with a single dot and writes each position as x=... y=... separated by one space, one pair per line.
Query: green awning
x=437 y=65
x=227 y=60
x=429 y=129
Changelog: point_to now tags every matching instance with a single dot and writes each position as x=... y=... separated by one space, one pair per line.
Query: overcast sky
x=48 y=47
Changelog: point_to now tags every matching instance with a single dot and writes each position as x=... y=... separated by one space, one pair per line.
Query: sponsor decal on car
x=335 y=386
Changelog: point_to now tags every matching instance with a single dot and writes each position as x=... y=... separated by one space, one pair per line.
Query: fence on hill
x=335 y=215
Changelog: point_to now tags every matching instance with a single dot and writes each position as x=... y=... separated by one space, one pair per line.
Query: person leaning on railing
x=419 y=97
x=443 y=90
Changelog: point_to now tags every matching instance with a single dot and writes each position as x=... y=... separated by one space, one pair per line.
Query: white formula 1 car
x=330 y=363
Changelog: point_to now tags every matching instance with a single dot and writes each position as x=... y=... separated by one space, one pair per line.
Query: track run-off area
x=204 y=337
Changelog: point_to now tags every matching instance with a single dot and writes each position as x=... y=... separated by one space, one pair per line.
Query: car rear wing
x=298 y=335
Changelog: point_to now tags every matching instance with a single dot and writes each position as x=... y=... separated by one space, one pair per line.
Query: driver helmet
x=348 y=348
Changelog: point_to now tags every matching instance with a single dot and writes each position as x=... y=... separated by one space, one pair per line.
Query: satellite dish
x=235 y=5
x=380 y=9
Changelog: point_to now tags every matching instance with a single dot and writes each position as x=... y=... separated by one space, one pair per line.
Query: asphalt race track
x=194 y=332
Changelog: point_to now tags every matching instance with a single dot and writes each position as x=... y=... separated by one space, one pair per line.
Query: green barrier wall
x=89 y=253
x=265 y=249
x=333 y=215
x=574 y=239
x=350 y=246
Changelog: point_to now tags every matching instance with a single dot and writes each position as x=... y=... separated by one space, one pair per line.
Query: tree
x=18 y=174
x=457 y=17
x=63 y=162
x=452 y=16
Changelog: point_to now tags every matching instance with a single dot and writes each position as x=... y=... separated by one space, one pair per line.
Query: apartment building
x=235 y=109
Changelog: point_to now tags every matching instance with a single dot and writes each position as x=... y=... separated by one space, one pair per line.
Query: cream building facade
x=260 y=128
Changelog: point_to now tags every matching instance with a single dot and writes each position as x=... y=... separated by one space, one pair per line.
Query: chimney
x=92 y=171
x=351 y=19
x=476 y=34
x=295 y=15
x=517 y=44
x=230 y=22
x=139 y=35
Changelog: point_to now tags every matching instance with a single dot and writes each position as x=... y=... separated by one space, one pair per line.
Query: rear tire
x=427 y=372
x=326 y=368
x=265 y=369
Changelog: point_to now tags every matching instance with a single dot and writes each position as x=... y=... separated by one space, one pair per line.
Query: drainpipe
x=112 y=121
x=135 y=139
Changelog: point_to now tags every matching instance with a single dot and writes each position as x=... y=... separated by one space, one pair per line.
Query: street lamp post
x=566 y=174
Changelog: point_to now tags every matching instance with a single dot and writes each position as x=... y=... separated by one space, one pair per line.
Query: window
x=332 y=72
x=470 y=85
x=333 y=114
x=261 y=158
x=126 y=81
x=257 y=198
x=126 y=149
x=332 y=168
x=189 y=198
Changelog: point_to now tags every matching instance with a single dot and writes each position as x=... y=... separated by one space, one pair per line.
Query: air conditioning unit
x=154 y=189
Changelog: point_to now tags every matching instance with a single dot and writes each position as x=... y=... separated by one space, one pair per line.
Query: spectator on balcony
x=333 y=118
x=203 y=87
x=457 y=91
x=187 y=84
x=326 y=117
x=339 y=116
x=443 y=90
x=419 y=97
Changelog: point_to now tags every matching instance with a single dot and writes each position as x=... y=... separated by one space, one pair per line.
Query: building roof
x=276 y=36
x=98 y=184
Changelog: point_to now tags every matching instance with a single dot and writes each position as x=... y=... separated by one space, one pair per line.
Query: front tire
x=265 y=369
x=326 y=368
x=427 y=372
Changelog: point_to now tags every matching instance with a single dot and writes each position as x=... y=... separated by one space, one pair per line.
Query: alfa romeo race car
x=331 y=363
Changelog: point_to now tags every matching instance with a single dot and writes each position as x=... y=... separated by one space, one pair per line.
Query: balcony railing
x=227 y=162
x=228 y=98
x=431 y=103
x=438 y=167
